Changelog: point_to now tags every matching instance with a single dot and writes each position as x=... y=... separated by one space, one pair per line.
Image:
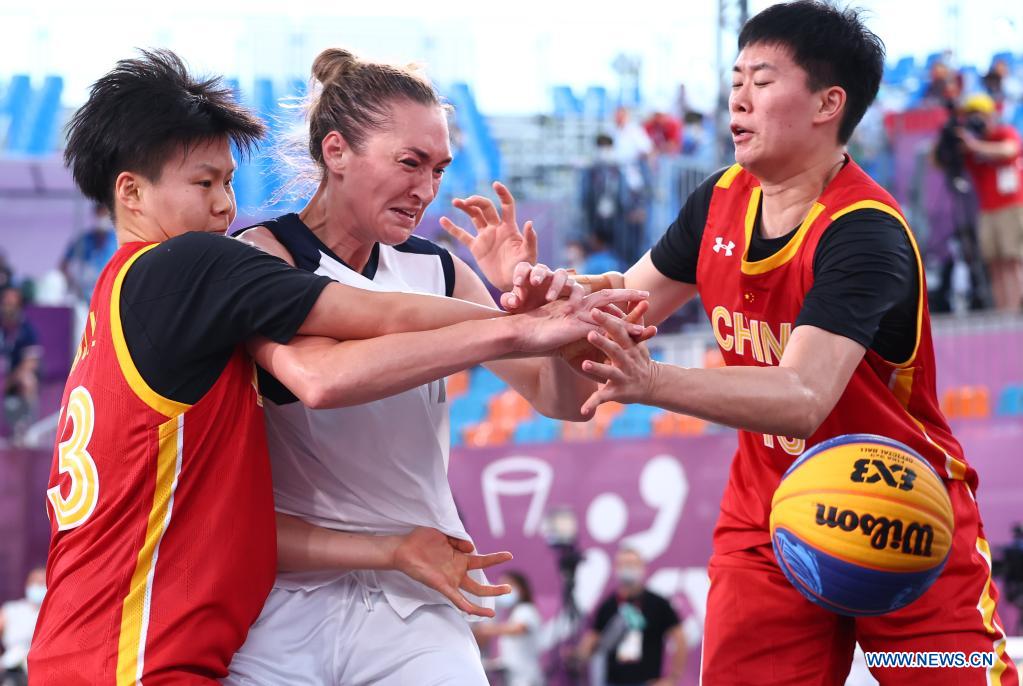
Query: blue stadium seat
x=565 y=102
x=468 y=409
x=595 y=102
x=538 y=430
x=634 y=425
x=42 y=119
x=477 y=142
x=15 y=109
x=485 y=382
x=1010 y=402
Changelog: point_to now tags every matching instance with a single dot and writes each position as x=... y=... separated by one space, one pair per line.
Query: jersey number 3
x=75 y=461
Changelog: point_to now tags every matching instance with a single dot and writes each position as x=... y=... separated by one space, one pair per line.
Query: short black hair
x=141 y=113
x=831 y=45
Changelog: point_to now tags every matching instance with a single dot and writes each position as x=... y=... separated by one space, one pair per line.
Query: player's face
x=772 y=110
x=389 y=185
x=194 y=191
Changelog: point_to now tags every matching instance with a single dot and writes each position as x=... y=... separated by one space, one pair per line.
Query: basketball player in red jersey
x=814 y=287
x=163 y=547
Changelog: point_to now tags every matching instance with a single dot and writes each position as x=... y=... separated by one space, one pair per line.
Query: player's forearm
x=304 y=547
x=356 y=372
x=347 y=313
x=771 y=400
x=560 y=392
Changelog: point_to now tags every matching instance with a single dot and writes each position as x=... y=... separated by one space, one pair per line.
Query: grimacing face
x=388 y=185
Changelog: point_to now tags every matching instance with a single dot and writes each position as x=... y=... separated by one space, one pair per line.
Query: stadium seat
x=485 y=434
x=1010 y=402
x=629 y=426
x=15 y=109
x=457 y=384
x=42 y=121
x=509 y=409
x=596 y=427
x=713 y=359
x=470 y=408
x=538 y=430
x=672 y=424
x=485 y=382
x=966 y=402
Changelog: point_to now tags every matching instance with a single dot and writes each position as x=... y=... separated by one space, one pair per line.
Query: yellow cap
x=979 y=103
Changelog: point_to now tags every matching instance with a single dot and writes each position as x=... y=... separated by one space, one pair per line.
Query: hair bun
x=333 y=64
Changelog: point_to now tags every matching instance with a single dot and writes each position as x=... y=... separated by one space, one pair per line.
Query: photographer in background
x=994 y=159
x=631 y=629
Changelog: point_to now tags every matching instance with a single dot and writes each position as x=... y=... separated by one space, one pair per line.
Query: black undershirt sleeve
x=188 y=302
x=866 y=284
x=675 y=254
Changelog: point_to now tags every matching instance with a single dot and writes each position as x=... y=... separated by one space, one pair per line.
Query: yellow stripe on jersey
x=785 y=254
x=131 y=645
x=986 y=607
x=726 y=179
x=901 y=384
x=888 y=209
x=165 y=406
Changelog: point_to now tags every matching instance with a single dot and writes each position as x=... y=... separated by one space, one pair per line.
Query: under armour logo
x=719 y=245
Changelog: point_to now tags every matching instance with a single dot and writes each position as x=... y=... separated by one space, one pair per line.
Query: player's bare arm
x=424 y=554
x=791 y=399
x=322 y=372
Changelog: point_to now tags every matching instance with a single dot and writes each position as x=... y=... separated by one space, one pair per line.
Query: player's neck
x=330 y=221
x=788 y=198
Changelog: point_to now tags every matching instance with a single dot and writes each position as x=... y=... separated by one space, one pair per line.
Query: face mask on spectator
x=34 y=593
x=630 y=576
x=508 y=599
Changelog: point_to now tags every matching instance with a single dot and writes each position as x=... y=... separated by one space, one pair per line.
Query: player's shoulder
x=262 y=238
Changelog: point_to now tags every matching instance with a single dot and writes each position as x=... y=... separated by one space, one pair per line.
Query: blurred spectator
x=943 y=86
x=591 y=256
x=633 y=149
x=6 y=273
x=604 y=194
x=630 y=629
x=517 y=632
x=17 y=622
x=694 y=134
x=665 y=132
x=994 y=158
x=88 y=253
x=21 y=354
x=994 y=80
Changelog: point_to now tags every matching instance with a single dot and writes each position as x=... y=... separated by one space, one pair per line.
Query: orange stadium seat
x=508 y=409
x=712 y=358
x=457 y=384
x=966 y=402
x=672 y=424
x=486 y=433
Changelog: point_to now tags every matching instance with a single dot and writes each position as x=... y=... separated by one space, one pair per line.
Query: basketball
x=861 y=525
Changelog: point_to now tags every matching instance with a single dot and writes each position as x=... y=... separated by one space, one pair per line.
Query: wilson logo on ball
x=871 y=471
x=913 y=539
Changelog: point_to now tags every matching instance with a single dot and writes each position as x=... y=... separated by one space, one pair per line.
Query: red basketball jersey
x=163 y=544
x=753 y=307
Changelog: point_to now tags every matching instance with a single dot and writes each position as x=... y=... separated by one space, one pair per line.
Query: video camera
x=949 y=151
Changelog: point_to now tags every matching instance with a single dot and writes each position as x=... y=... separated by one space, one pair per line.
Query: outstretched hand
x=498 y=244
x=443 y=563
x=628 y=375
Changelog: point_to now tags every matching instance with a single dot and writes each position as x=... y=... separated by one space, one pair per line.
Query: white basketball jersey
x=378 y=468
